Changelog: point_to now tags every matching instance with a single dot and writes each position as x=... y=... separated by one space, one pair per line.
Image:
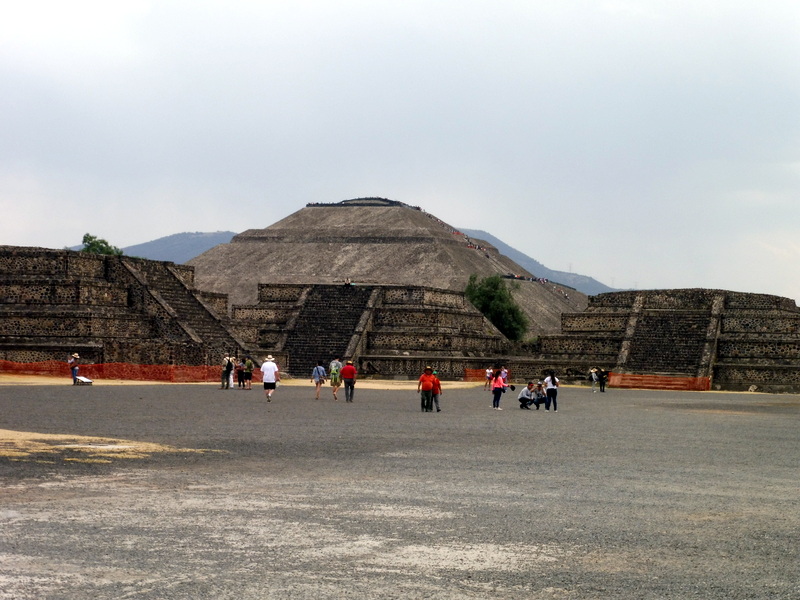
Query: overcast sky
x=650 y=144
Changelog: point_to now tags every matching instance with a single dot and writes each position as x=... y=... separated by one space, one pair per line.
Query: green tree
x=97 y=245
x=492 y=297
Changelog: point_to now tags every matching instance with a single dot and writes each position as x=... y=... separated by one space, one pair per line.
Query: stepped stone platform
x=114 y=309
x=729 y=340
x=107 y=309
x=389 y=330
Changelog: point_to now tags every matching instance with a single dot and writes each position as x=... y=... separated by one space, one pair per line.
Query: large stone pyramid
x=371 y=240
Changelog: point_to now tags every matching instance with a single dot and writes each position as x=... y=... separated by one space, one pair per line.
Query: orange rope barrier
x=123 y=371
x=659 y=382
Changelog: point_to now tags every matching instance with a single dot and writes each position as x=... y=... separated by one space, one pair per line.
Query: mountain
x=179 y=247
x=582 y=283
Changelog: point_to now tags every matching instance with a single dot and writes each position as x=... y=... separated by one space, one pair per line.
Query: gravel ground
x=187 y=491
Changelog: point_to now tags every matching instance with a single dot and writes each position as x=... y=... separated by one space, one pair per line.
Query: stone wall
x=97 y=293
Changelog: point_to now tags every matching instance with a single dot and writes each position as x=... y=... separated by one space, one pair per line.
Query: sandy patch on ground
x=28 y=446
x=369 y=384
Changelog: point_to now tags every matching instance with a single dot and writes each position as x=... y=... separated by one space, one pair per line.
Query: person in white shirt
x=551 y=384
x=271 y=376
x=489 y=377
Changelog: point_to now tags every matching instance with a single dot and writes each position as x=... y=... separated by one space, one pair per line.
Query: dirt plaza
x=188 y=491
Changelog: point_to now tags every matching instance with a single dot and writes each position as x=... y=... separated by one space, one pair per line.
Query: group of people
x=242 y=367
x=429 y=388
x=338 y=374
x=598 y=377
x=535 y=393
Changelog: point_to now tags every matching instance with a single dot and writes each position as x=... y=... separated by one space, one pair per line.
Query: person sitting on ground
x=539 y=394
x=526 y=396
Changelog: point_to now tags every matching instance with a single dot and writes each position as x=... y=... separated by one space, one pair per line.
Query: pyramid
x=371 y=241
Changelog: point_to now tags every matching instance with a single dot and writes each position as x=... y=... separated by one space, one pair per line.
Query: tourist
x=248 y=373
x=318 y=376
x=593 y=377
x=526 y=397
x=227 y=371
x=425 y=385
x=539 y=394
x=348 y=374
x=551 y=384
x=488 y=384
x=602 y=376
x=498 y=388
x=271 y=376
x=240 y=373
x=437 y=390
x=73 y=363
x=336 y=378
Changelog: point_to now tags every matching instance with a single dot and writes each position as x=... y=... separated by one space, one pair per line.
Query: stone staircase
x=325 y=325
x=192 y=314
x=669 y=343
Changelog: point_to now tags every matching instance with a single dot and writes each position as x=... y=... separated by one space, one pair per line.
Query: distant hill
x=179 y=247
x=582 y=283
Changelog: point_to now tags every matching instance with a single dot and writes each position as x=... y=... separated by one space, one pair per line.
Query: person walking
x=602 y=376
x=425 y=385
x=488 y=383
x=271 y=376
x=499 y=386
x=334 y=370
x=349 y=374
x=437 y=390
x=551 y=384
x=594 y=379
x=318 y=378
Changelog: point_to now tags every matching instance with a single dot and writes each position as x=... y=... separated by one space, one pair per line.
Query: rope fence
x=121 y=371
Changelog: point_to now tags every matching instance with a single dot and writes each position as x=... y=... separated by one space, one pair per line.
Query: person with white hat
x=271 y=376
x=73 y=362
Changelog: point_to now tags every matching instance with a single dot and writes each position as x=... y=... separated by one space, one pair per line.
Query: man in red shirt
x=437 y=390
x=425 y=386
x=348 y=375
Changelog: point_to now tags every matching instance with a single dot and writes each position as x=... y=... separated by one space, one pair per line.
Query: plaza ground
x=188 y=491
